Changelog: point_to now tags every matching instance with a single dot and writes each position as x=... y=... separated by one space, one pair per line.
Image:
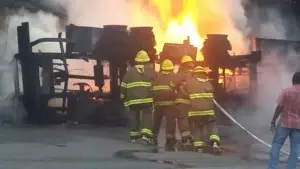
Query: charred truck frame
x=113 y=44
x=117 y=46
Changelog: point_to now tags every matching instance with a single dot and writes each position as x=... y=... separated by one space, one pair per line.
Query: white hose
x=243 y=128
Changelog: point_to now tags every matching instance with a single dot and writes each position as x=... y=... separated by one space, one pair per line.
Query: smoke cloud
x=275 y=70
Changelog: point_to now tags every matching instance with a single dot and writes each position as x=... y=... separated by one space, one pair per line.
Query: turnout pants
x=170 y=113
x=204 y=130
x=140 y=121
x=183 y=121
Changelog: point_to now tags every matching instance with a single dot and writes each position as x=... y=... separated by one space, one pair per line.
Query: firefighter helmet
x=186 y=59
x=199 y=69
x=167 y=65
x=142 y=56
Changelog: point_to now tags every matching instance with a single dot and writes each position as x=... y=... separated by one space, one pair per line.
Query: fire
x=177 y=19
x=190 y=19
x=180 y=30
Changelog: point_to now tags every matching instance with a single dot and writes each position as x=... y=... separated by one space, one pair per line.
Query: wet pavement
x=83 y=147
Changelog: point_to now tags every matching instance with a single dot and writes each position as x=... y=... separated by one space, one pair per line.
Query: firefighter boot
x=147 y=140
x=134 y=139
x=186 y=144
x=170 y=144
x=216 y=149
x=198 y=149
x=134 y=136
x=199 y=146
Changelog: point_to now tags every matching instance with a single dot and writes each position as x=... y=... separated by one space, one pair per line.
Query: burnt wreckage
x=115 y=45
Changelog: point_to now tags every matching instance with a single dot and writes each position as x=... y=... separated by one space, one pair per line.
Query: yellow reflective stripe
x=214 y=137
x=139 y=66
x=201 y=95
x=123 y=85
x=162 y=87
x=185 y=133
x=202 y=113
x=146 y=131
x=166 y=72
x=138 y=84
x=202 y=80
x=198 y=143
x=164 y=103
x=122 y=96
x=185 y=101
x=134 y=133
x=138 y=101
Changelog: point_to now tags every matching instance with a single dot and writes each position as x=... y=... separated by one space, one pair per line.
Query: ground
x=87 y=147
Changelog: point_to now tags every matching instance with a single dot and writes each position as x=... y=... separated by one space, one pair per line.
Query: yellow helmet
x=199 y=69
x=186 y=59
x=167 y=65
x=142 y=56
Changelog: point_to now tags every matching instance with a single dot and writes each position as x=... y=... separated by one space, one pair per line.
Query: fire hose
x=244 y=129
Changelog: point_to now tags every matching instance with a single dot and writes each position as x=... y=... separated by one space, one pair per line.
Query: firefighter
x=182 y=101
x=136 y=92
x=164 y=101
x=201 y=114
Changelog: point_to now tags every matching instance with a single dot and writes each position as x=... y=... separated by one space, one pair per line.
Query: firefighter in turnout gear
x=164 y=100
x=201 y=114
x=182 y=101
x=136 y=93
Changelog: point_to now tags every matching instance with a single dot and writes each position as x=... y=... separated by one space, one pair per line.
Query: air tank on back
x=143 y=38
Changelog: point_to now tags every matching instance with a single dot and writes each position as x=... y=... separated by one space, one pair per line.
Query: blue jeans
x=279 y=138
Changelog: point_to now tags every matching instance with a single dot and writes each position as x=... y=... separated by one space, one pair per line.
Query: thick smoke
x=274 y=72
x=41 y=25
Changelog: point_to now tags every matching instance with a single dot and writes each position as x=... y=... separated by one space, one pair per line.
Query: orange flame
x=194 y=18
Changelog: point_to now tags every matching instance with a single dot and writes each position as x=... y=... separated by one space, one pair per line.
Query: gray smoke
x=275 y=70
x=42 y=24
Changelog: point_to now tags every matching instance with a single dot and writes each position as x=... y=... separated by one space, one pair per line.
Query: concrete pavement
x=61 y=147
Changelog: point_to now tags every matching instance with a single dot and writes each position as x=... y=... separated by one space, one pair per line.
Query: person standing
x=136 y=93
x=164 y=103
x=183 y=102
x=202 y=114
x=288 y=107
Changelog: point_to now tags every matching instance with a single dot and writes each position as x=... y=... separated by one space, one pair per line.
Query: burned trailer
x=111 y=46
x=216 y=55
x=175 y=52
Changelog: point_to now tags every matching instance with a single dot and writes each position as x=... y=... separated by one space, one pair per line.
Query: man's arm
x=177 y=80
x=277 y=112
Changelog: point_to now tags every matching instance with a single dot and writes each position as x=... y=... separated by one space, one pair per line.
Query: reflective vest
x=178 y=83
x=163 y=94
x=201 y=94
x=136 y=86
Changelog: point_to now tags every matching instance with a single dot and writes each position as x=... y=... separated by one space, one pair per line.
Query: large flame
x=178 y=30
x=195 y=18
